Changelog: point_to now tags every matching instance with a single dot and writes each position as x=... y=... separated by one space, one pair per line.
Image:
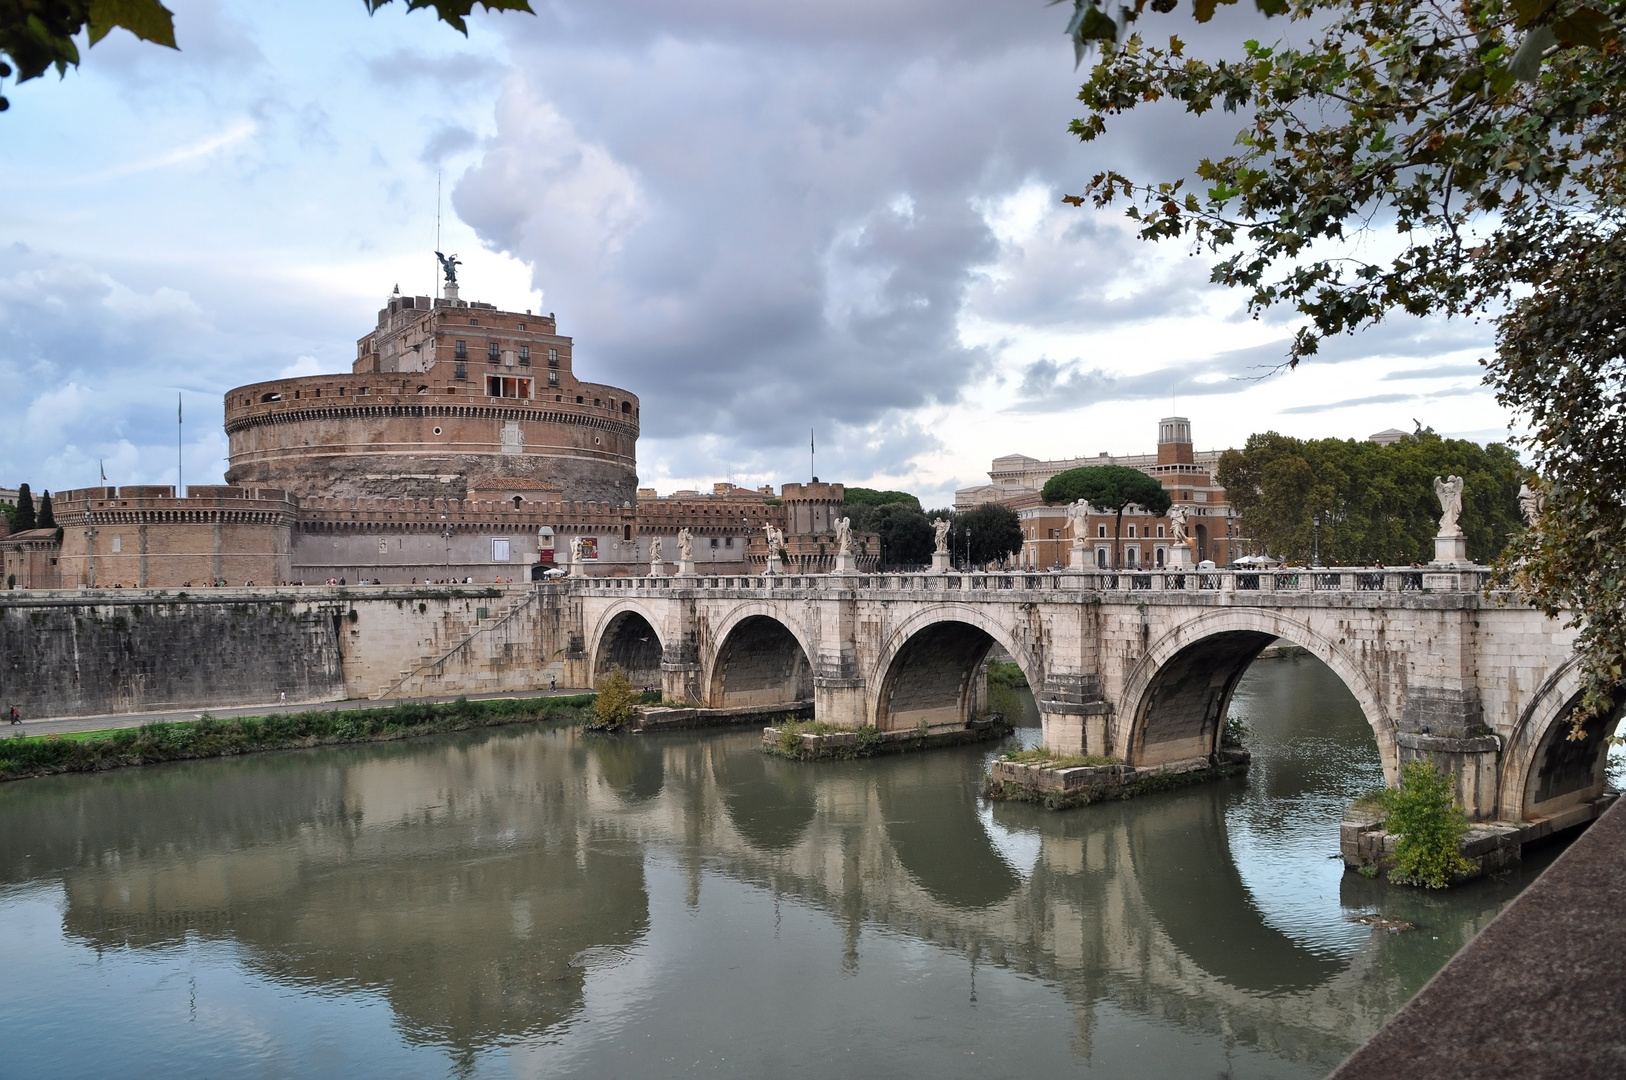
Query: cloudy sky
x=761 y=218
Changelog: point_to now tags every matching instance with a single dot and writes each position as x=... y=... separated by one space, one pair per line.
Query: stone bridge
x=1137 y=666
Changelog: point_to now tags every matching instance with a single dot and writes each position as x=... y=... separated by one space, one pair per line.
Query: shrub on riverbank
x=617 y=701
x=1004 y=680
x=208 y=737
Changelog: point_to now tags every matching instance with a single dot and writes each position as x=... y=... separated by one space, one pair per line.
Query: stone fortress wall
x=460 y=447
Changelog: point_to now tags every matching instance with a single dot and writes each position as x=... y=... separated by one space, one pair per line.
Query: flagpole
x=812 y=456
x=180 y=480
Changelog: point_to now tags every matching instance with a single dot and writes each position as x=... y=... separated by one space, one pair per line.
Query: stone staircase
x=427 y=676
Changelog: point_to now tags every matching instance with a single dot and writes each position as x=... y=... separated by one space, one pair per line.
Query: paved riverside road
x=54 y=725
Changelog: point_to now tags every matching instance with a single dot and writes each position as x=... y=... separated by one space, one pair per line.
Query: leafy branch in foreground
x=36 y=35
x=1486 y=136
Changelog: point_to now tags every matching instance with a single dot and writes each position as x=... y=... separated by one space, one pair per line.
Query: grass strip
x=206 y=737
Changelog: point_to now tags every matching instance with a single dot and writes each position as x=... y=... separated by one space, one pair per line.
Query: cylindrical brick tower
x=446 y=397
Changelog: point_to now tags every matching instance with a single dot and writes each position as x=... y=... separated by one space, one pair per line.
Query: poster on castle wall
x=589 y=548
x=545 y=556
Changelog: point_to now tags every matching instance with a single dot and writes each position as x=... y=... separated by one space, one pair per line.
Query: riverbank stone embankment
x=98 y=751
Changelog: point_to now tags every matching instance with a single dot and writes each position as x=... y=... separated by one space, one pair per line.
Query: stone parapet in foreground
x=1540 y=993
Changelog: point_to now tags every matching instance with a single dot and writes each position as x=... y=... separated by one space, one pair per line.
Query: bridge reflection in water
x=500 y=890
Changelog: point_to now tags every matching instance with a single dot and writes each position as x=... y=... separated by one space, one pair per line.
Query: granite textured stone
x=1540 y=993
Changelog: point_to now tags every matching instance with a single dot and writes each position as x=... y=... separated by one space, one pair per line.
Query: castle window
x=714 y=541
x=499 y=549
x=462 y=350
x=553 y=357
x=553 y=378
x=1131 y=532
x=460 y=370
x=265 y=398
x=578 y=399
x=492 y=355
x=118 y=544
x=728 y=541
x=626 y=534
x=499 y=386
x=474 y=322
x=1101 y=531
x=1160 y=532
x=525 y=354
x=626 y=406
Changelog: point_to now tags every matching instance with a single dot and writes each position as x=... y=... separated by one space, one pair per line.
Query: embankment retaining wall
x=84 y=652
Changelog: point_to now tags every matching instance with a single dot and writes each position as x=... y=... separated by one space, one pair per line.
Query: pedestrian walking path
x=63 y=724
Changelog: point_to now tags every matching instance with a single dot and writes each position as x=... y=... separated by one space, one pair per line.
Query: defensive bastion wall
x=86 y=652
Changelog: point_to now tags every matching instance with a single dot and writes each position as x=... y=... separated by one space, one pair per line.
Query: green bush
x=617 y=701
x=1236 y=730
x=1429 y=827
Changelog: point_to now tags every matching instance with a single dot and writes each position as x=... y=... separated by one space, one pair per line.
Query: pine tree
x=23 y=519
x=47 y=517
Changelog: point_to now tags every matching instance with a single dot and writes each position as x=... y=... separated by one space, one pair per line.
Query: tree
x=1376 y=502
x=863 y=506
x=47 y=519
x=1488 y=134
x=1110 y=488
x=36 y=35
x=989 y=533
x=907 y=538
x=23 y=519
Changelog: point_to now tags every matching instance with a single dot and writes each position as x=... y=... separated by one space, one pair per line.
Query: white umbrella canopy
x=1257 y=560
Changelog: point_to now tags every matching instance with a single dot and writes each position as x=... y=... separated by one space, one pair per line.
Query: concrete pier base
x=1490 y=846
x=1065 y=788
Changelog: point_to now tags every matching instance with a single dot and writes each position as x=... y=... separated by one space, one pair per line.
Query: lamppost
x=968 y=565
x=1315 y=557
x=446 y=535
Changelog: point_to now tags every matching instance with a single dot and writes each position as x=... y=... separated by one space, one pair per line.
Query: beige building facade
x=1145 y=538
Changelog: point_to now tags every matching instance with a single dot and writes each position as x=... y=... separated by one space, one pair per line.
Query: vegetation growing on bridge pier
x=207 y=737
x=1429 y=826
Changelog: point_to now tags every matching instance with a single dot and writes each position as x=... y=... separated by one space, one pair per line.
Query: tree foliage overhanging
x=1377 y=503
x=37 y=35
x=906 y=535
x=1487 y=134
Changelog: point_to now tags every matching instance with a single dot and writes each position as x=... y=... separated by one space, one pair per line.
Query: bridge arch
x=1543 y=772
x=758 y=657
x=927 y=668
x=1175 y=699
x=625 y=636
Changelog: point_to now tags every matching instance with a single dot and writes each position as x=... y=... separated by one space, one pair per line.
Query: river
x=549 y=903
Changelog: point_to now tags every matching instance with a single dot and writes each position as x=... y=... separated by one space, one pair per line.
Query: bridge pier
x=1073 y=715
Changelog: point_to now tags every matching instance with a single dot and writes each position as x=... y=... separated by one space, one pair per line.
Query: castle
x=460 y=446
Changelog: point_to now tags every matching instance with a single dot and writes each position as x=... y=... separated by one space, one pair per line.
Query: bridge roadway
x=1139 y=666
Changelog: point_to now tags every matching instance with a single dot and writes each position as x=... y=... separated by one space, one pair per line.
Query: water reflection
x=553 y=902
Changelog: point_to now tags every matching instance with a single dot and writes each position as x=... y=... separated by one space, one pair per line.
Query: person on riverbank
x=16 y=717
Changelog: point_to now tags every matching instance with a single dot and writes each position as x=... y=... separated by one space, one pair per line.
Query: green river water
x=549 y=903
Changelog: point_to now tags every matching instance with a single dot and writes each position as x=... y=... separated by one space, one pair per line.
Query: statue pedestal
x=940 y=562
x=846 y=563
x=1078 y=557
x=1179 y=557
x=685 y=568
x=775 y=566
x=657 y=569
x=1450 y=550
